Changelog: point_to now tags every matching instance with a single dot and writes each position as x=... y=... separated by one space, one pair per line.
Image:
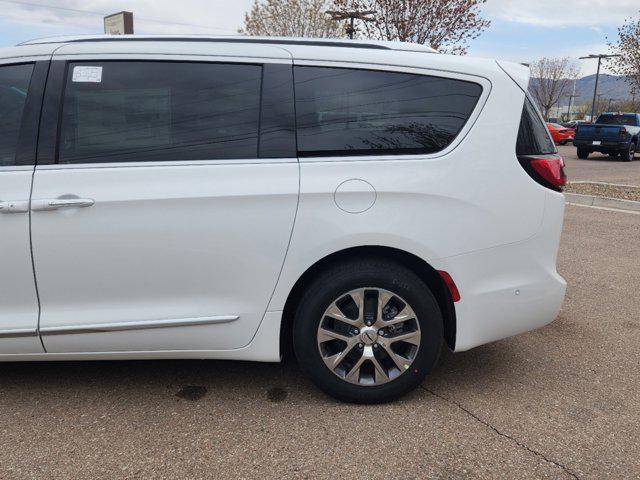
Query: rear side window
x=361 y=112
x=159 y=111
x=533 y=137
x=611 y=119
x=14 y=84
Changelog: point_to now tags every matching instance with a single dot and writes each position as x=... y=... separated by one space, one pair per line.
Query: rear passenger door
x=163 y=205
x=21 y=86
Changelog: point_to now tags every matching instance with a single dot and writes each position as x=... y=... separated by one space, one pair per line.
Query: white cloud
x=150 y=16
x=563 y=13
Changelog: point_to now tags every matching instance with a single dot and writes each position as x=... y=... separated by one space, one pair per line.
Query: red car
x=560 y=134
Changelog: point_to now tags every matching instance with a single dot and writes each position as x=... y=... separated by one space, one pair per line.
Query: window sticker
x=87 y=74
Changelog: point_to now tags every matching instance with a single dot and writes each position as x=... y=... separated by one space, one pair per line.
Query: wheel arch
x=419 y=266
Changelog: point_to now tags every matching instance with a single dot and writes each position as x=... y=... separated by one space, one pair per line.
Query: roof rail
x=318 y=42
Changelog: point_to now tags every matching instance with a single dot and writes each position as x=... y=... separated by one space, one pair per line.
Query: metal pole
x=571 y=101
x=595 y=91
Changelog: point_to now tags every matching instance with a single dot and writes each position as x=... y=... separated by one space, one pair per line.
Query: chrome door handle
x=14 y=206
x=56 y=203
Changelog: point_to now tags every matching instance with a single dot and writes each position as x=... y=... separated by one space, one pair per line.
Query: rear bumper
x=509 y=289
x=605 y=146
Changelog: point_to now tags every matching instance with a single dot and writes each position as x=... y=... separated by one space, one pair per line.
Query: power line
x=102 y=14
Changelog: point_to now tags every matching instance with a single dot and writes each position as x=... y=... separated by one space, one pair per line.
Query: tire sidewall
x=327 y=289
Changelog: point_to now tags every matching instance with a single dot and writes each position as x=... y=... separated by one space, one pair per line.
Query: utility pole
x=599 y=56
x=364 y=15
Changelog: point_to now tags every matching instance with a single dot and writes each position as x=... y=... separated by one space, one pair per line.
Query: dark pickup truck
x=613 y=133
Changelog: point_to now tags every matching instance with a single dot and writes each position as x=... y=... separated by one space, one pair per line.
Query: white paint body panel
x=161 y=242
x=18 y=300
x=198 y=239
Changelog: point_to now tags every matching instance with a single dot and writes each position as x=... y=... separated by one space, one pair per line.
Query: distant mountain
x=610 y=86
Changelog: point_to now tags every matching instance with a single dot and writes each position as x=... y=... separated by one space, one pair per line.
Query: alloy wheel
x=369 y=336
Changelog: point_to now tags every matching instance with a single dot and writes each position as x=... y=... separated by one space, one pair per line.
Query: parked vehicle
x=613 y=133
x=170 y=197
x=560 y=135
x=574 y=124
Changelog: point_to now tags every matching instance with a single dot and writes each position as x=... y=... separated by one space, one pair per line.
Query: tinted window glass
x=361 y=112
x=150 y=111
x=533 y=137
x=14 y=84
x=609 y=119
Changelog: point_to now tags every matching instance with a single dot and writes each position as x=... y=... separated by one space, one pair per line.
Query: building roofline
x=318 y=42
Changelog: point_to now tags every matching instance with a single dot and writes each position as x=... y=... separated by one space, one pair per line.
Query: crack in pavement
x=502 y=434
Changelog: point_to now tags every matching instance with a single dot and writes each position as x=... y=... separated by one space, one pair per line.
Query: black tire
x=362 y=273
x=583 y=153
x=628 y=155
x=562 y=142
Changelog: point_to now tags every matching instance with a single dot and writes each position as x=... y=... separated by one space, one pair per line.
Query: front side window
x=14 y=85
x=361 y=112
x=159 y=111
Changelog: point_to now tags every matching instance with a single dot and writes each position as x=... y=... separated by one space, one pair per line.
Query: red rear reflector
x=453 y=290
x=547 y=170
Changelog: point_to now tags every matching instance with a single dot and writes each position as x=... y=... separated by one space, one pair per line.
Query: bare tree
x=552 y=80
x=628 y=47
x=291 y=18
x=446 y=25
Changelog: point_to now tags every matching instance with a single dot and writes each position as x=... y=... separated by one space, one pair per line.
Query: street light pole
x=599 y=56
x=571 y=97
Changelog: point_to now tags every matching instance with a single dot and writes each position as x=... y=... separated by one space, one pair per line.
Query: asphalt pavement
x=560 y=402
x=600 y=168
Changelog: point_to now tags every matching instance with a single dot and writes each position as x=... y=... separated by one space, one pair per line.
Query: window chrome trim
x=139 y=325
x=17 y=168
x=172 y=163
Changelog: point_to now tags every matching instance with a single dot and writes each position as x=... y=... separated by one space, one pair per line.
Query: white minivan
x=229 y=197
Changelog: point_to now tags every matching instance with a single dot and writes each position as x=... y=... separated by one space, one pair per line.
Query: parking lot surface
x=600 y=168
x=560 y=402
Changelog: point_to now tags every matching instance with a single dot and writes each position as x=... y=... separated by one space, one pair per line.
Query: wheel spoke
x=334 y=312
x=409 y=337
x=324 y=335
x=399 y=360
x=334 y=360
x=358 y=297
x=402 y=316
x=380 y=373
x=354 y=374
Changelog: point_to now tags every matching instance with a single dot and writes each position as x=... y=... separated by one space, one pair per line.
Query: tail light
x=547 y=170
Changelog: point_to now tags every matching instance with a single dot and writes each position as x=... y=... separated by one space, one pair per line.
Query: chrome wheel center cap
x=369 y=335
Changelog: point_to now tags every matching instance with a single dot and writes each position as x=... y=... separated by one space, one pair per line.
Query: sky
x=521 y=30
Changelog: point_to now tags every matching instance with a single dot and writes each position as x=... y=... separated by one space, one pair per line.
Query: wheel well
x=421 y=268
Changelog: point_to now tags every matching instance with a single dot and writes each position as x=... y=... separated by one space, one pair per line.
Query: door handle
x=14 y=206
x=56 y=203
